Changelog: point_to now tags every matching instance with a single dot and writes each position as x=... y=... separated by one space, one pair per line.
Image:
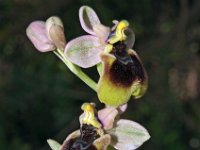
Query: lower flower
x=120 y=133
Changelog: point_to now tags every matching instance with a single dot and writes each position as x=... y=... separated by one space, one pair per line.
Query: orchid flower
x=122 y=74
x=122 y=134
x=36 y=32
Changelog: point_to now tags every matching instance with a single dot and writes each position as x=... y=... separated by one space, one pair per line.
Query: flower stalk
x=76 y=70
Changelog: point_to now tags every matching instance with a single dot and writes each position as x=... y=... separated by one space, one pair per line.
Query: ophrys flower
x=122 y=74
x=93 y=134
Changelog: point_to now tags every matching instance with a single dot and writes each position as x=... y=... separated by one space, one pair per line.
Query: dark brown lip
x=126 y=68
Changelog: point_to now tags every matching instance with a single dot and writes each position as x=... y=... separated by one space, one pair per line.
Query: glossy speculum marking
x=126 y=68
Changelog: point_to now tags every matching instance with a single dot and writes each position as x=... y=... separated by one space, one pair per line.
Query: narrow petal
x=115 y=22
x=88 y=18
x=36 y=32
x=84 y=51
x=122 y=108
x=128 y=135
x=107 y=117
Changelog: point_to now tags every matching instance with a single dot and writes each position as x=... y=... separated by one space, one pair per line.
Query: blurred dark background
x=40 y=98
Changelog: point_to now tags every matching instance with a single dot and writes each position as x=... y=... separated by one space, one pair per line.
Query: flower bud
x=55 y=32
x=36 y=32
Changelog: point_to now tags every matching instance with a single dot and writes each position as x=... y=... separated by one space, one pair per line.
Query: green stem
x=76 y=70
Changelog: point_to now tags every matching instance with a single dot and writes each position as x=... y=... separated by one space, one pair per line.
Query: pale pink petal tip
x=122 y=108
x=88 y=18
x=36 y=32
x=84 y=51
x=107 y=117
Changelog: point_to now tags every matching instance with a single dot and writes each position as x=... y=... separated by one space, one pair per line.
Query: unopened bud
x=36 y=32
x=55 y=32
